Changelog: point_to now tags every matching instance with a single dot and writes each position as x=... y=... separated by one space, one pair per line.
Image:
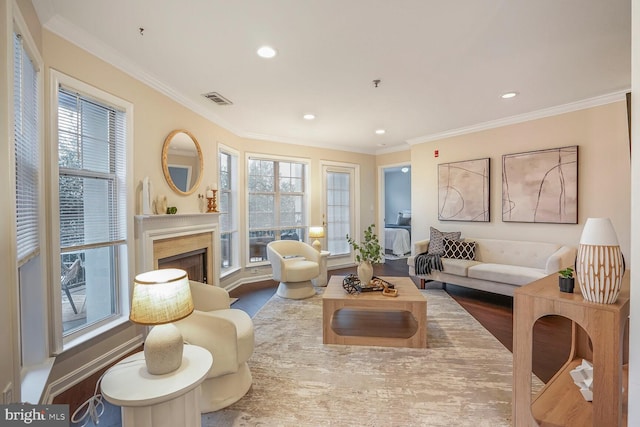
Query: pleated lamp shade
x=599 y=267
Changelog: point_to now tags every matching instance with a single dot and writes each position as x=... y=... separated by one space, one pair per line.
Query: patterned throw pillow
x=459 y=249
x=436 y=244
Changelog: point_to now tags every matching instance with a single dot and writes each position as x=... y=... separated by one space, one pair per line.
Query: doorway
x=395 y=210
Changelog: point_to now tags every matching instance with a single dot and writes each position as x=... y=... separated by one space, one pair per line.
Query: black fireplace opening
x=193 y=262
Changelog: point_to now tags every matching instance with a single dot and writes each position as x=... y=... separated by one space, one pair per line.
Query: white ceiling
x=442 y=64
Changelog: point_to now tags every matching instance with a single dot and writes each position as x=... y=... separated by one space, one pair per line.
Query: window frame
x=124 y=267
x=32 y=345
x=234 y=174
x=305 y=200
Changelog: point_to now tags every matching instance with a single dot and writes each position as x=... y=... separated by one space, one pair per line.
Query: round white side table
x=321 y=280
x=148 y=400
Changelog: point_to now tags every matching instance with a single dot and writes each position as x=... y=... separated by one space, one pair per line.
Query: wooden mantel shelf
x=599 y=334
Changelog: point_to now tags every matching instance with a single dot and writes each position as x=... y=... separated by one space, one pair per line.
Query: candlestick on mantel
x=212 y=206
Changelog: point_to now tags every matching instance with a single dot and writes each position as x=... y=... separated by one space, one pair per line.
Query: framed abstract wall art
x=463 y=191
x=541 y=186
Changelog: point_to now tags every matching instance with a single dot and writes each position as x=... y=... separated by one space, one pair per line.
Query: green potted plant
x=566 y=280
x=367 y=252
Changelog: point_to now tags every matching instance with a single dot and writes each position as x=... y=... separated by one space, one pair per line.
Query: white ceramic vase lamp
x=600 y=266
x=161 y=297
x=316 y=233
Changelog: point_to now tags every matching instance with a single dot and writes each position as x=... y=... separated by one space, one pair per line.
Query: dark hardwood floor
x=551 y=334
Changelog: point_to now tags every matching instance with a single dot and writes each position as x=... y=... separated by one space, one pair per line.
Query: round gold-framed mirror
x=182 y=162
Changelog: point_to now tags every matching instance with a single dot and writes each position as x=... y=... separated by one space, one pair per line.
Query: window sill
x=87 y=336
x=228 y=272
x=34 y=381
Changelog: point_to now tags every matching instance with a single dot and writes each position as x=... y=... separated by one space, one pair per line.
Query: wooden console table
x=599 y=334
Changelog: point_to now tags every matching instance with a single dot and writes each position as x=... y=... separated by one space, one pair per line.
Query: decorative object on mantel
x=172 y=210
x=160 y=204
x=367 y=253
x=161 y=297
x=212 y=193
x=146 y=196
x=566 y=280
x=316 y=232
x=600 y=266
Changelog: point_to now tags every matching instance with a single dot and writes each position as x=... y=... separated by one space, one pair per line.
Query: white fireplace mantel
x=149 y=228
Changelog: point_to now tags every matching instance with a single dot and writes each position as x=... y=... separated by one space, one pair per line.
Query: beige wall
x=155 y=116
x=603 y=173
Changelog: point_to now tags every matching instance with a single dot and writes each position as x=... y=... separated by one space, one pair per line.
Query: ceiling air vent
x=217 y=98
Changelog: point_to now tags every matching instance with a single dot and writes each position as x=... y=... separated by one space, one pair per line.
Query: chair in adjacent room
x=294 y=265
x=228 y=334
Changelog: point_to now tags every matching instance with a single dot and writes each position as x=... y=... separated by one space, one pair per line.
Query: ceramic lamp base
x=163 y=349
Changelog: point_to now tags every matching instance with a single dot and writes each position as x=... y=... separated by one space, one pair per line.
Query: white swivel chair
x=228 y=334
x=294 y=265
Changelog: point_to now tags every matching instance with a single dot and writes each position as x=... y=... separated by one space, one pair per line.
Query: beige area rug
x=463 y=378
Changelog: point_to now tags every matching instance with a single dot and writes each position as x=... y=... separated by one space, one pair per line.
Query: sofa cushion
x=458 y=267
x=511 y=252
x=459 y=249
x=436 y=244
x=511 y=274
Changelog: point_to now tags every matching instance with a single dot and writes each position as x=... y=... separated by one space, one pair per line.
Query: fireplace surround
x=169 y=236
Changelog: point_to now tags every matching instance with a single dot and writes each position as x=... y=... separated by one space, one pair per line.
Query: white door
x=340 y=207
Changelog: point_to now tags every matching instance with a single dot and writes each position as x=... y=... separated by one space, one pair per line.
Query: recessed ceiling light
x=380 y=131
x=267 y=52
x=309 y=116
x=509 y=95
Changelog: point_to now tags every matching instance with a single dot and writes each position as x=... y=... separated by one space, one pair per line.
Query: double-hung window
x=29 y=239
x=277 y=203
x=92 y=196
x=228 y=206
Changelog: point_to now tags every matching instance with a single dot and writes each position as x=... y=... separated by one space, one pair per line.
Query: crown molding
x=534 y=115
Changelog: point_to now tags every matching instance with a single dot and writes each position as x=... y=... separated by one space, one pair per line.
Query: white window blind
x=91 y=163
x=27 y=152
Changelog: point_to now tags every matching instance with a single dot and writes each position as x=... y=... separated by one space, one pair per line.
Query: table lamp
x=599 y=267
x=159 y=298
x=316 y=233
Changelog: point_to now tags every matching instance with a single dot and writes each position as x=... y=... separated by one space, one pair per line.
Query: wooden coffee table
x=370 y=318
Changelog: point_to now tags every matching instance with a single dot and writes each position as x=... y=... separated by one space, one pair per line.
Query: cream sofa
x=500 y=266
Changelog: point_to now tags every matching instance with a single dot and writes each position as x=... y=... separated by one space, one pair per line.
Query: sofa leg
x=422 y=285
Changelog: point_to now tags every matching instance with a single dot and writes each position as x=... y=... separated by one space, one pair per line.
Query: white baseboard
x=72 y=378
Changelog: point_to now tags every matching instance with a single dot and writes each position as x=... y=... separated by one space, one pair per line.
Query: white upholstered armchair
x=294 y=265
x=228 y=334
